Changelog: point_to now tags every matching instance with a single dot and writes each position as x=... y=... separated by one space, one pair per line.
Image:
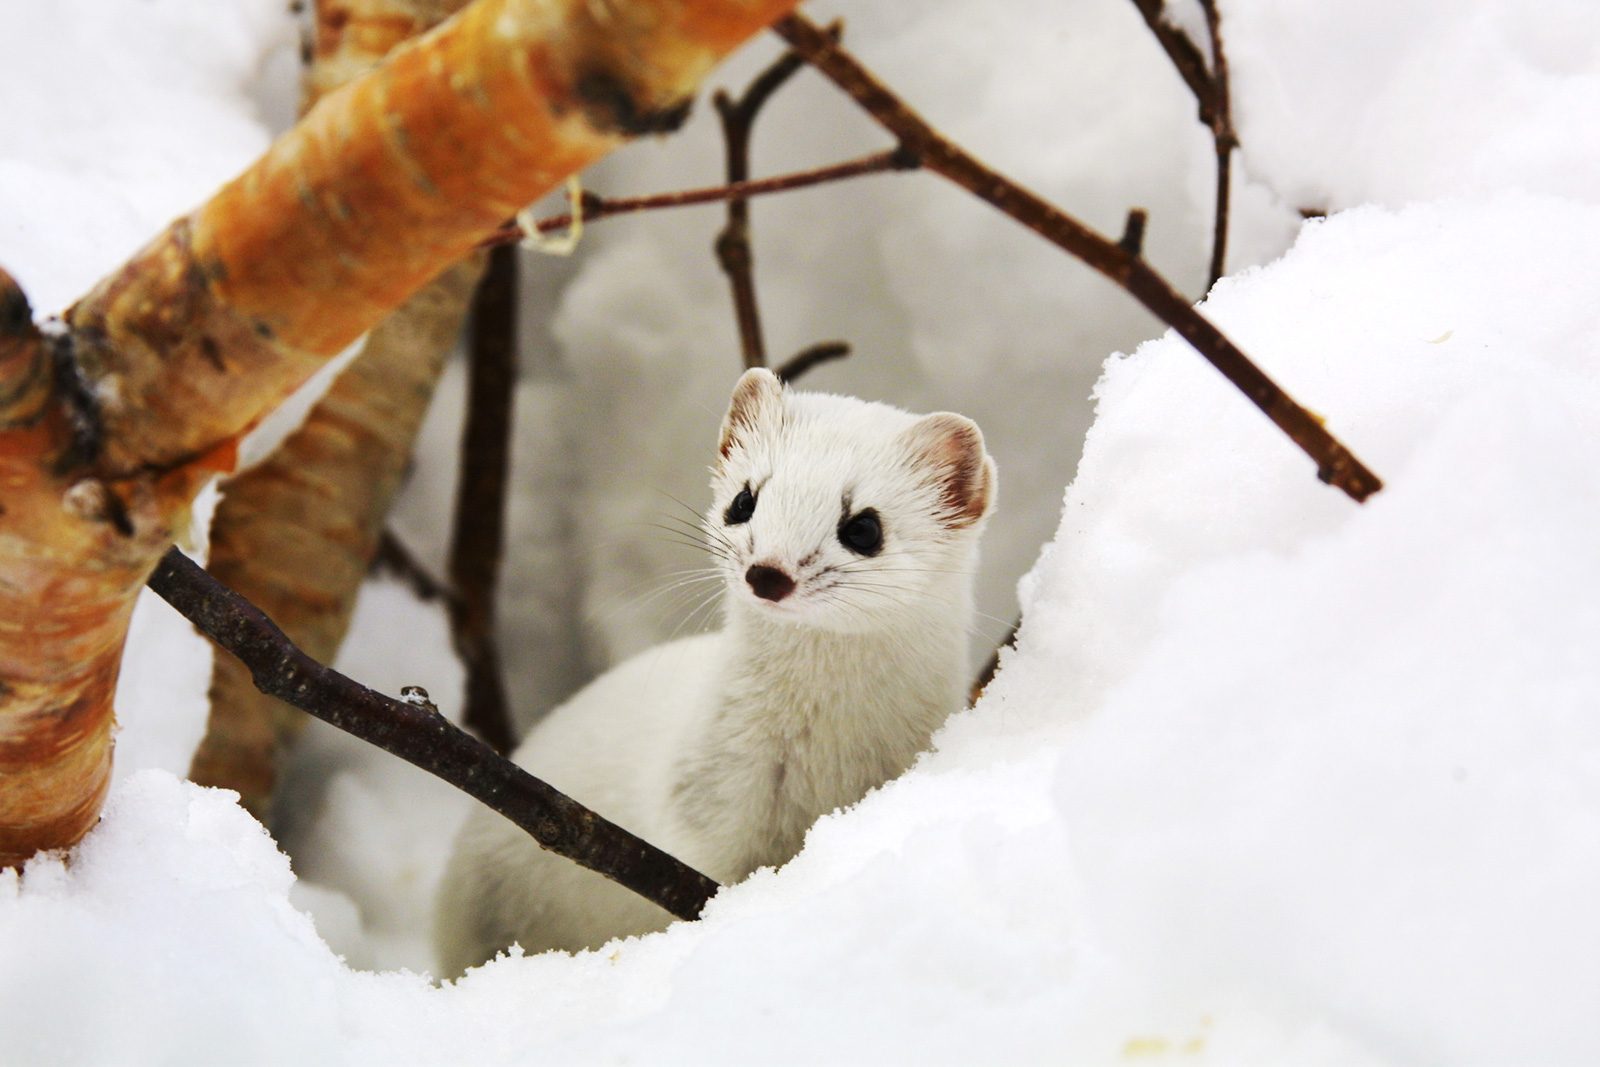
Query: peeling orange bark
x=385 y=183
x=296 y=533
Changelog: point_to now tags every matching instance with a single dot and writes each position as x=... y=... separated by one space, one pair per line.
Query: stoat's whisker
x=702 y=531
x=671 y=588
x=714 y=597
x=680 y=537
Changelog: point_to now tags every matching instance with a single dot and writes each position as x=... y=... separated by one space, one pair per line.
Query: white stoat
x=847 y=533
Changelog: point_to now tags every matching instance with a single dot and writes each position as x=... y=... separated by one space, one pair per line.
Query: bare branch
x=393 y=556
x=427 y=740
x=807 y=359
x=597 y=207
x=1132 y=241
x=1222 y=136
x=478 y=538
x=1335 y=463
x=1185 y=55
x=734 y=254
x=1210 y=89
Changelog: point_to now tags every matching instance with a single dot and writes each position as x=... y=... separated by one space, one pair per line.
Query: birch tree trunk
x=296 y=533
x=108 y=430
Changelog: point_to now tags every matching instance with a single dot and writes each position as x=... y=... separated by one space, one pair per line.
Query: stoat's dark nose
x=769 y=583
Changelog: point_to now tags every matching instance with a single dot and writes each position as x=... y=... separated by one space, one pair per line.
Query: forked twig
x=1335 y=463
x=1210 y=89
x=734 y=254
x=426 y=739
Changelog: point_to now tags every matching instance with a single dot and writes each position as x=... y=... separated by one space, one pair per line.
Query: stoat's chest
x=788 y=742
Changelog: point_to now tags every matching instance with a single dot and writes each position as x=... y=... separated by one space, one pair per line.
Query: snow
x=1270 y=778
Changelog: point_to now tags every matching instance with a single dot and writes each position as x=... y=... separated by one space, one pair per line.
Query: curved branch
x=421 y=736
x=1335 y=463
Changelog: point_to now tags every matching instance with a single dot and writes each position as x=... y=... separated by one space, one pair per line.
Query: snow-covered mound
x=1270 y=778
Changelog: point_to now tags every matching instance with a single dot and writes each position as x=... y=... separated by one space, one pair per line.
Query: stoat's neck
x=810 y=720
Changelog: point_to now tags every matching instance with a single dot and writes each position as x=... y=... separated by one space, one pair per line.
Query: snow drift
x=1269 y=777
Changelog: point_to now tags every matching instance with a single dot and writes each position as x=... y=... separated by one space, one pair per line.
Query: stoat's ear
x=757 y=397
x=949 y=450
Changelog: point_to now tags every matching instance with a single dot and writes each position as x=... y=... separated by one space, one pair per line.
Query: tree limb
x=163 y=365
x=424 y=738
x=1335 y=463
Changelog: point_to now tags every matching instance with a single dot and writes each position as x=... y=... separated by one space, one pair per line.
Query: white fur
x=723 y=749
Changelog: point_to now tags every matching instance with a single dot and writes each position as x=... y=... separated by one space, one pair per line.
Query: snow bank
x=1270 y=778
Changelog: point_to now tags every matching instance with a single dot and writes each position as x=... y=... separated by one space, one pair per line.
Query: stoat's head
x=842 y=514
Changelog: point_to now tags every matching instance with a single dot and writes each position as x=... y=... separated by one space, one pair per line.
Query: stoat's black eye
x=743 y=506
x=862 y=533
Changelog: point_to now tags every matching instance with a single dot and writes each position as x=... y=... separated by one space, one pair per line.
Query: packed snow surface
x=1270 y=777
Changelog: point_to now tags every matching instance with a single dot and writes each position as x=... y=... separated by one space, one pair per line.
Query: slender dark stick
x=733 y=249
x=426 y=739
x=393 y=556
x=1185 y=55
x=1210 y=89
x=1335 y=463
x=478 y=538
x=1223 y=138
x=597 y=207
x=733 y=241
x=809 y=358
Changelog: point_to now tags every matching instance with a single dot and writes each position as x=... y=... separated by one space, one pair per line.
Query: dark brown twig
x=734 y=254
x=1335 y=463
x=478 y=538
x=393 y=556
x=427 y=740
x=1186 y=56
x=807 y=359
x=598 y=207
x=733 y=242
x=1223 y=138
x=1210 y=89
x=1132 y=241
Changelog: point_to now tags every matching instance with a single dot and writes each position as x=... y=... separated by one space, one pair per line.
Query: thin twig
x=734 y=254
x=1186 y=56
x=1335 y=463
x=1210 y=89
x=1223 y=138
x=597 y=207
x=810 y=358
x=393 y=556
x=477 y=540
x=1132 y=241
x=427 y=740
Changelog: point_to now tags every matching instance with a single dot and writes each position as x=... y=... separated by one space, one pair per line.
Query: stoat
x=847 y=534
